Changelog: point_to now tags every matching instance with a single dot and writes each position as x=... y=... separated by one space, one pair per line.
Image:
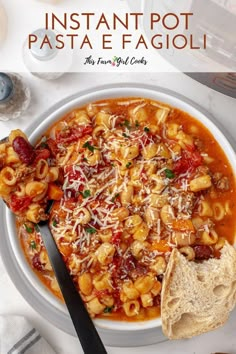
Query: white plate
x=112 y=332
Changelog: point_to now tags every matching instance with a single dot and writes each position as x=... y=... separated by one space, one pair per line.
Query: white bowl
x=116 y=333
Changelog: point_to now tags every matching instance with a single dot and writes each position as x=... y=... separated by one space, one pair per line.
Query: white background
x=45 y=94
x=25 y=16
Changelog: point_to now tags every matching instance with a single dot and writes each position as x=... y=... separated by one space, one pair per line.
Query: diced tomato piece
x=190 y=148
x=190 y=160
x=116 y=237
x=54 y=192
x=101 y=293
x=73 y=134
x=42 y=154
x=73 y=174
x=19 y=204
x=196 y=159
x=84 y=130
x=117 y=260
x=70 y=203
x=181 y=166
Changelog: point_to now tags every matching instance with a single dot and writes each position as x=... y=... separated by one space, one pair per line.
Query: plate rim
x=21 y=285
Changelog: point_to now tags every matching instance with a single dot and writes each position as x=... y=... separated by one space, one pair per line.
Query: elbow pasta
x=103 y=119
x=105 y=253
x=131 y=179
x=172 y=130
x=130 y=291
x=102 y=282
x=146 y=300
x=82 y=118
x=159 y=265
x=83 y=215
x=85 y=283
x=127 y=195
x=200 y=183
x=162 y=114
x=53 y=174
x=144 y=284
x=205 y=208
x=150 y=151
x=11 y=157
x=131 y=308
x=8 y=176
x=151 y=216
x=167 y=214
x=137 y=248
x=188 y=252
x=218 y=211
x=41 y=169
x=35 y=189
x=20 y=190
x=95 y=307
x=209 y=238
x=141 y=232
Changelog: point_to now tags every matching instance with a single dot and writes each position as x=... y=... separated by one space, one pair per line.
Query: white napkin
x=17 y=336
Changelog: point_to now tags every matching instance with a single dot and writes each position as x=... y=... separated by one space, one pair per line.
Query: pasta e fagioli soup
x=131 y=179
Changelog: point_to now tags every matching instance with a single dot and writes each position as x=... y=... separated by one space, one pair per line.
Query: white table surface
x=45 y=94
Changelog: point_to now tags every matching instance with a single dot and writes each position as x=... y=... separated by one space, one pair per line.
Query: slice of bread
x=197 y=297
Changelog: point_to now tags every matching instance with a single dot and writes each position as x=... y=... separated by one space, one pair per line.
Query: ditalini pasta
x=131 y=179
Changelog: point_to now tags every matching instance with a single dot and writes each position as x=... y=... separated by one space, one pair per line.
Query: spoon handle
x=84 y=326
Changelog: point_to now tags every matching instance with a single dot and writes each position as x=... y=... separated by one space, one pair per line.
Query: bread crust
x=197 y=297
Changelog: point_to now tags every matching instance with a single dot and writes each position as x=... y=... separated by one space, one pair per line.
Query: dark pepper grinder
x=14 y=96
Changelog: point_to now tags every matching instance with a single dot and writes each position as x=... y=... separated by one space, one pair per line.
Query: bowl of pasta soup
x=142 y=171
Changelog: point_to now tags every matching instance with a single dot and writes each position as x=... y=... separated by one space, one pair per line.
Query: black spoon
x=84 y=326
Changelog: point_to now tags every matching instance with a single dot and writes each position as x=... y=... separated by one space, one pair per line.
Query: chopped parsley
x=146 y=129
x=137 y=124
x=28 y=229
x=108 y=309
x=43 y=145
x=89 y=146
x=54 y=223
x=127 y=124
x=169 y=173
x=85 y=159
x=37 y=228
x=90 y=230
x=114 y=198
x=125 y=135
x=86 y=193
x=33 y=245
x=128 y=164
